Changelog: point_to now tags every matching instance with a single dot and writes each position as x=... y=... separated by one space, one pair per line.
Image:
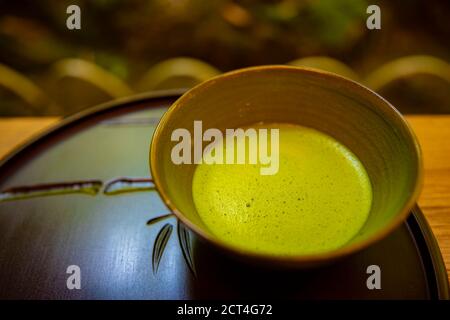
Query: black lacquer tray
x=81 y=195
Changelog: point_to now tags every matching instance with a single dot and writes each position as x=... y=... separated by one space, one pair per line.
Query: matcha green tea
x=319 y=199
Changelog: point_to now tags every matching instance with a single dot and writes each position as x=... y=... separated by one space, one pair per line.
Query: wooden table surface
x=433 y=133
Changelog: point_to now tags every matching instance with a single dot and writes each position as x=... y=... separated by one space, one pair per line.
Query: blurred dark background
x=132 y=46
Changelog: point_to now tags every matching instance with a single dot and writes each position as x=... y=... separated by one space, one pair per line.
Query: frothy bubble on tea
x=317 y=202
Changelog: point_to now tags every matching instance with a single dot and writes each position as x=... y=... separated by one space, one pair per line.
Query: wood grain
x=15 y=131
x=432 y=131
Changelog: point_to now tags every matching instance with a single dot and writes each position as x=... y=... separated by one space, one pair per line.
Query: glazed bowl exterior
x=351 y=113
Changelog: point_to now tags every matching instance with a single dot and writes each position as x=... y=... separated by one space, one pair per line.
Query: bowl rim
x=315 y=258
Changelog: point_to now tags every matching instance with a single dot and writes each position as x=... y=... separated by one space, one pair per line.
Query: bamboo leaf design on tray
x=184 y=238
x=152 y=221
x=160 y=244
x=116 y=186
x=87 y=187
x=126 y=185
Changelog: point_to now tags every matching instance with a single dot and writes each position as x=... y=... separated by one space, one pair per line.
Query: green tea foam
x=318 y=201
